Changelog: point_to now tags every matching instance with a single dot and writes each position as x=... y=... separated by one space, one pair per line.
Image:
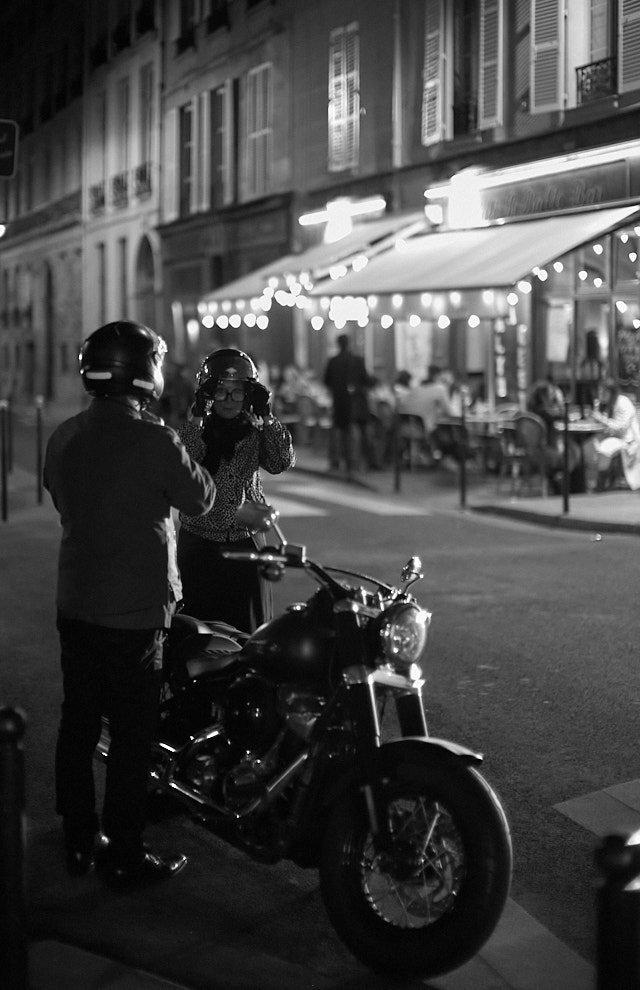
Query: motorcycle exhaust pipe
x=270 y=793
x=166 y=781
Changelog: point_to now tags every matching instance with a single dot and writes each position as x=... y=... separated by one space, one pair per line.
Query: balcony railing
x=596 y=79
x=120 y=189
x=142 y=180
x=96 y=198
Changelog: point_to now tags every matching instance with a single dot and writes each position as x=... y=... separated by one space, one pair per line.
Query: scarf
x=220 y=438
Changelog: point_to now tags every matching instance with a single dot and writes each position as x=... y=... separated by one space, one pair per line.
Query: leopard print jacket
x=239 y=479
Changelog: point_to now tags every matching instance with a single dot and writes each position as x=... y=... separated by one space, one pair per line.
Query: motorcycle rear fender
x=388 y=755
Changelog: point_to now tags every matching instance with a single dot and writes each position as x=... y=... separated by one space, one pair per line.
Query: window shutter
x=170 y=171
x=352 y=73
x=490 y=96
x=547 y=46
x=629 y=54
x=432 y=117
x=204 y=158
x=344 y=98
x=258 y=115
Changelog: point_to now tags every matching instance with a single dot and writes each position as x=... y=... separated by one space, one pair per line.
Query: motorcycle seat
x=214 y=662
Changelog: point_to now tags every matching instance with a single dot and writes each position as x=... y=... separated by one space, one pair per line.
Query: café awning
x=365 y=240
x=478 y=258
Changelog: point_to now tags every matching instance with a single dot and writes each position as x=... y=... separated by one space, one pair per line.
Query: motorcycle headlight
x=403 y=634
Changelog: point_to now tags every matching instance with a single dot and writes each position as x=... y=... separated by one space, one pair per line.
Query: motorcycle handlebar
x=255 y=557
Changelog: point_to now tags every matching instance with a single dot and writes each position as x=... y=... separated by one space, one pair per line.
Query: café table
x=580 y=430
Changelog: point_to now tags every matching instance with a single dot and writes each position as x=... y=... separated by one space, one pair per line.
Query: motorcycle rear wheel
x=432 y=904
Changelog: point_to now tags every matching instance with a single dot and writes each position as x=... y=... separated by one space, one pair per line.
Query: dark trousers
x=115 y=672
x=225 y=590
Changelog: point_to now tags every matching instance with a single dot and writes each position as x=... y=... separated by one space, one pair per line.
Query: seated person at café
x=546 y=401
x=429 y=401
x=621 y=437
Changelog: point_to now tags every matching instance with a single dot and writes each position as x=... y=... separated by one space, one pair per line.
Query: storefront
x=525 y=271
x=502 y=304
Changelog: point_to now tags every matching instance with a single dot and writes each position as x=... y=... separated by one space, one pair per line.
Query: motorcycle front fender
x=428 y=748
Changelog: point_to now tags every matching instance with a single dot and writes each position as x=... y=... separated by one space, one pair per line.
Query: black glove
x=260 y=400
x=199 y=407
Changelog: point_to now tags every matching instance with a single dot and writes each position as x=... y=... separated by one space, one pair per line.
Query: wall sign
x=510 y=362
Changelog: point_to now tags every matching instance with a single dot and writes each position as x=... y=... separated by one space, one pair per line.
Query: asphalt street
x=227 y=922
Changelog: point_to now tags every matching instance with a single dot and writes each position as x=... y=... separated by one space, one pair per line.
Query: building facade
x=209 y=166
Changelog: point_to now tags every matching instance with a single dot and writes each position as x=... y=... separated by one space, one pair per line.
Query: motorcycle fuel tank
x=296 y=647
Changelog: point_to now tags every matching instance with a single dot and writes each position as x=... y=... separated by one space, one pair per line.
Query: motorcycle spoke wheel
x=422 y=884
x=427 y=904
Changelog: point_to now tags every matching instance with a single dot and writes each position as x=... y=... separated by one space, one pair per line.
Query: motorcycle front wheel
x=427 y=905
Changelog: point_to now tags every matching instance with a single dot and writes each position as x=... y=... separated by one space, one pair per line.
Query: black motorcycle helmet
x=123 y=358
x=227 y=365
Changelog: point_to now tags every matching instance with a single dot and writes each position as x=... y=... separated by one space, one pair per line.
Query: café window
x=625 y=257
x=592 y=266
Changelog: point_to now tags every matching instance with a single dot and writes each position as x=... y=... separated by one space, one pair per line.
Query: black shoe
x=80 y=862
x=150 y=869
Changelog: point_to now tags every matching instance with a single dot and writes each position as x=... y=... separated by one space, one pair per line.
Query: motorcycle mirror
x=256 y=515
x=412 y=570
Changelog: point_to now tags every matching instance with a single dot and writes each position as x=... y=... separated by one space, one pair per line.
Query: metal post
x=464 y=394
x=618 y=912
x=395 y=452
x=13 y=938
x=39 y=404
x=9 y=435
x=4 y=459
x=565 y=461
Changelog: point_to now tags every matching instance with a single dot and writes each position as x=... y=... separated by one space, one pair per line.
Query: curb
x=558 y=521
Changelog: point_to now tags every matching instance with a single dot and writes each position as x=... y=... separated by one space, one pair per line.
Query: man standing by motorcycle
x=114 y=472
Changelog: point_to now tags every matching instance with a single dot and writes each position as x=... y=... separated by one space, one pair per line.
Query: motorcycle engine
x=251 y=718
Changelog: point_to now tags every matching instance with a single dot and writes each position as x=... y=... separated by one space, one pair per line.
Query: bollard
x=13 y=938
x=4 y=459
x=618 y=912
x=9 y=435
x=39 y=404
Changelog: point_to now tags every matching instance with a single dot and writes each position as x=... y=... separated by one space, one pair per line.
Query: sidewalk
x=607 y=512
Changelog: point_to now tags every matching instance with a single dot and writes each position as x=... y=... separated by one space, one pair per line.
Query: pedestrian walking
x=114 y=472
x=348 y=381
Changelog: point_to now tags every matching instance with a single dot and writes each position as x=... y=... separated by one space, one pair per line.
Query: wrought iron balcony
x=142 y=180
x=597 y=79
x=120 y=189
x=96 y=198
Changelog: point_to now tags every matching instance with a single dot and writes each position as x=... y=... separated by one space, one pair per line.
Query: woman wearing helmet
x=233 y=434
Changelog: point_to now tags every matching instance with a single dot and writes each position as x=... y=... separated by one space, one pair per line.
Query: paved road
x=229 y=920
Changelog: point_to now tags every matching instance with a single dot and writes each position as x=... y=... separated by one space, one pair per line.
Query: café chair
x=523 y=441
x=412 y=439
x=314 y=423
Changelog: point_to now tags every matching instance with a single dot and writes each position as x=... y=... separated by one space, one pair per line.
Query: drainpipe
x=397 y=89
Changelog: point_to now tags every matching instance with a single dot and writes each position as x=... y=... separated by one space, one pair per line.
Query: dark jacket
x=114 y=477
x=347 y=379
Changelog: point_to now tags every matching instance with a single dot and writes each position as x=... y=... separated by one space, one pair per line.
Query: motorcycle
x=308 y=740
